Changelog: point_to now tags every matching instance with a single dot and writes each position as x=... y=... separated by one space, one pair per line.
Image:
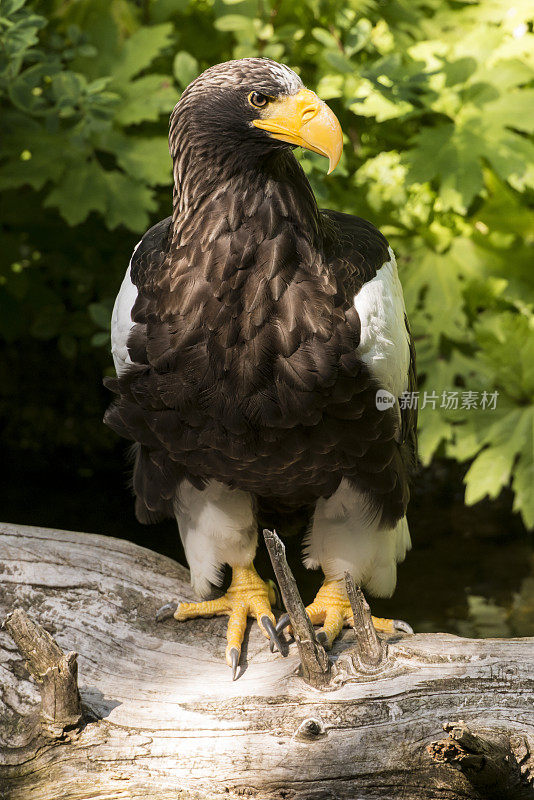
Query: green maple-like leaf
x=144 y=158
x=510 y=440
x=120 y=199
x=140 y=49
x=80 y=192
x=454 y=156
x=129 y=202
x=145 y=99
x=439 y=278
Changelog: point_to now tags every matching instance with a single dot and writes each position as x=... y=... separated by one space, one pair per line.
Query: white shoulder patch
x=384 y=345
x=121 y=321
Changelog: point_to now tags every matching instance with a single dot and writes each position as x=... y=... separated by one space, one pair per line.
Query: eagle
x=262 y=350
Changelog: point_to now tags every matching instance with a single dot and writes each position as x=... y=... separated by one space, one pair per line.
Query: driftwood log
x=161 y=717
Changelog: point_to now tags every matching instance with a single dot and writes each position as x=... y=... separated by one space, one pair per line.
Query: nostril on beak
x=309 y=113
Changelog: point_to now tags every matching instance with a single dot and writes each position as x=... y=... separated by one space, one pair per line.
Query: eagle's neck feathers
x=245 y=252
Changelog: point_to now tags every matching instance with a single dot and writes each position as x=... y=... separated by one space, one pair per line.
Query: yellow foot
x=247 y=596
x=331 y=609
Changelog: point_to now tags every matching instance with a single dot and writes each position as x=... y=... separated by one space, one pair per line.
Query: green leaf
x=339 y=61
x=513 y=109
x=8 y=7
x=185 y=68
x=29 y=170
x=506 y=340
x=439 y=279
x=325 y=38
x=67 y=87
x=144 y=158
x=503 y=209
x=330 y=86
x=129 y=202
x=67 y=346
x=510 y=437
x=522 y=485
x=234 y=22
x=435 y=429
x=452 y=154
x=80 y=192
x=100 y=339
x=373 y=103
x=120 y=199
x=145 y=99
x=140 y=49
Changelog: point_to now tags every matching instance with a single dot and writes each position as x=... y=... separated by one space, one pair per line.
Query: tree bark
x=488 y=762
x=163 y=719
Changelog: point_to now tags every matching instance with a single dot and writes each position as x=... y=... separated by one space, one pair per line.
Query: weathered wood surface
x=164 y=719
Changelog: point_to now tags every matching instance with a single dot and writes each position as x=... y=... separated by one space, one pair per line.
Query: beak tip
x=333 y=161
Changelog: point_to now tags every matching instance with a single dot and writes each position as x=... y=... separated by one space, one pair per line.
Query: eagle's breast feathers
x=253 y=355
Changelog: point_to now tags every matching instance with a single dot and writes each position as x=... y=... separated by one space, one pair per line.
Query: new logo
x=384 y=399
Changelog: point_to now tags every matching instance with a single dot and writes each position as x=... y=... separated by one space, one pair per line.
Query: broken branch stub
x=314 y=660
x=55 y=673
x=372 y=651
x=488 y=764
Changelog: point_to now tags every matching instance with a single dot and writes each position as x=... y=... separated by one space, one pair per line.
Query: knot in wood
x=310 y=729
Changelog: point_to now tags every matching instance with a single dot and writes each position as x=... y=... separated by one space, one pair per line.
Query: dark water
x=471 y=570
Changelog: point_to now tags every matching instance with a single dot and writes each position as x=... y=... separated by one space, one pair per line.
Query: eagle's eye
x=258 y=100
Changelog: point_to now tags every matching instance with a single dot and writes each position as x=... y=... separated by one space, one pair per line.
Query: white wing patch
x=384 y=345
x=121 y=321
x=345 y=535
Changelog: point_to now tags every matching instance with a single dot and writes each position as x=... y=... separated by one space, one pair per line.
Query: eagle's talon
x=282 y=623
x=233 y=657
x=275 y=642
x=401 y=625
x=166 y=611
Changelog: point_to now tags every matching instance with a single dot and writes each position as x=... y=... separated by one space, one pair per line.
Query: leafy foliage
x=437 y=103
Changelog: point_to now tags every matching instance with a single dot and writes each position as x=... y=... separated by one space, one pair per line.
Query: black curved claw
x=322 y=638
x=282 y=623
x=166 y=611
x=400 y=625
x=234 y=658
x=275 y=641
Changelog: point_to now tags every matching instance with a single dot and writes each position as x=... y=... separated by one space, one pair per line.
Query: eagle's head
x=247 y=109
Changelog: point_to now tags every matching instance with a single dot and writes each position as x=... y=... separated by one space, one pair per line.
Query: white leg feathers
x=217 y=526
x=346 y=536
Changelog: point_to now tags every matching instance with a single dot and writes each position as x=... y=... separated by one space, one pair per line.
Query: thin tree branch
x=372 y=651
x=314 y=660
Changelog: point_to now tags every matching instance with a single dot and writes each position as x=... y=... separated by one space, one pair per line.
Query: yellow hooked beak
x=304 y=120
